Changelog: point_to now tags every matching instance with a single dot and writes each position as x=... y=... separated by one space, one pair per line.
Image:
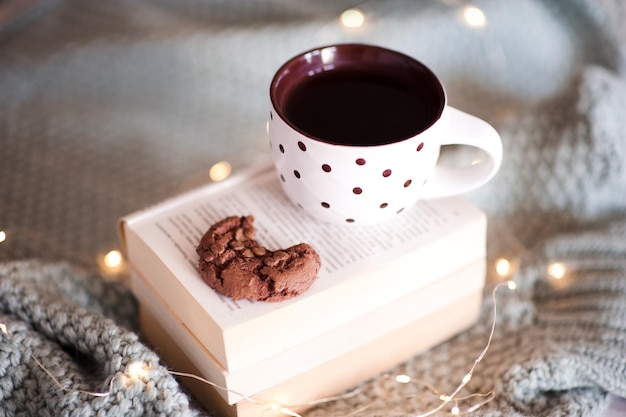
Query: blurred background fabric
x=110 y=107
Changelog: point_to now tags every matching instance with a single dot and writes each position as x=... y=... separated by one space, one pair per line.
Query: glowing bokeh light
x=220 y=171
x=556 y=270
x=3 y=236
x=137 y=370
x=403 y=379
x=503 y=267
x=474 y=17
x=113 y=259
x=352 y=18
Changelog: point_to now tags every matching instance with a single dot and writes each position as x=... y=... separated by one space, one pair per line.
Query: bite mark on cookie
x=234 y=264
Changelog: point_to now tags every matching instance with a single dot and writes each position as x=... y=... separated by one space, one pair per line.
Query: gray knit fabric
x=559 y=347
x=55 y=316
x=108 y=107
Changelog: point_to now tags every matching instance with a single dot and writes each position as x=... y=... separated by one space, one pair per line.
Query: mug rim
x=283 y=72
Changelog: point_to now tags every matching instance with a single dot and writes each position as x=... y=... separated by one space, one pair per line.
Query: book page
x=175 y=230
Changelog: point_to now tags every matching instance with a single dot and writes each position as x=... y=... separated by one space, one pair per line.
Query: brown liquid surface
x=358 y=108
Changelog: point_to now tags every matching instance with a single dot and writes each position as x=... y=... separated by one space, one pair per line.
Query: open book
x=363 y=267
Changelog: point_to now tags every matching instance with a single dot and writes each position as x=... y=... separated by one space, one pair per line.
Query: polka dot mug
x=356 y=131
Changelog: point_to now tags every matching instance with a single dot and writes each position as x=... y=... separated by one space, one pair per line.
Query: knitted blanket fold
x=60 y=355
x=565 y=159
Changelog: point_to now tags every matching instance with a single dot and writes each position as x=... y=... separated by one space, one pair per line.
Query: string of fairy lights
x=112 y=264
x=138 y=371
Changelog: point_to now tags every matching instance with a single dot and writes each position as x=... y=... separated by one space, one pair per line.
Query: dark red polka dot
x=325 y=204
x=386 y=173
x=350 y=220
x=407 y=183
x=302 y=146
x=326 y=168
x=357 y=190
x=282 y=148
x=296 y=173
x=384 y=205
x=420 y=146
x=360 y=161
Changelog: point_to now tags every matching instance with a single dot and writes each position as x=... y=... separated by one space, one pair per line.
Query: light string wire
x=446 y=399
x=61 y=387
x=466 y=379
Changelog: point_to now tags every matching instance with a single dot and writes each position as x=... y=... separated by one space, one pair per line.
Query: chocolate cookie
x=234 y=264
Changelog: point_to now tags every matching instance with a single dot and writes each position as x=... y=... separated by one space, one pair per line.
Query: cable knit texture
x=109 y=107
x=54 y=315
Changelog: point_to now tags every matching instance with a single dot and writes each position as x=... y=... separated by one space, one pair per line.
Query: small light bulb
x=467 y=378
x=556 y=270
x=220 y=171
x=503 y=267
x=403 y=379
x=137 y=370
x=474 y=17
x=113 y=259
x=512 y=285
x=455 y=411
x=3 y=236
x=352 y=18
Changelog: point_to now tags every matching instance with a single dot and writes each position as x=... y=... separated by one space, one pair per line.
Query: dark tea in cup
x=364 y=106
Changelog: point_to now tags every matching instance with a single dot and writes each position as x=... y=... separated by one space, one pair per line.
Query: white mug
x=356 y=131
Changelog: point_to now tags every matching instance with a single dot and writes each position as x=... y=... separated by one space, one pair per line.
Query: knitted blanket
x=107 y=107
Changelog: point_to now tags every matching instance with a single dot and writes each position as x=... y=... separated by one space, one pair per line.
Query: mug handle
x=465 y=129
